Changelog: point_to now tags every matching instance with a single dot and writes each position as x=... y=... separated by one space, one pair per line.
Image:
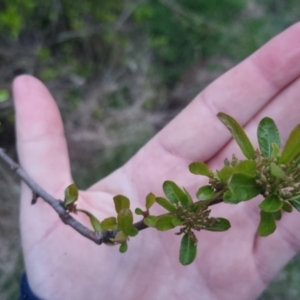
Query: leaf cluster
x=266 y=171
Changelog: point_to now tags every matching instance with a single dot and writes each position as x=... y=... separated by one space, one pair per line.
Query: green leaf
x=239 y=135
x=150 y=200
x=138 y=211
x=271 y=204
x=243 y=187
x=133 y=232
x=267 y=224
x=175 y=194
x=200 y=168
x=188 y=250
x=230 y=198
x=4 y=95
x=96 y=224
x=277 y=215
x=177 y=222
x=267 y=133
x=188 y=196
x=125 y=220
x=276 y=153
x=120 y=237
x=71 y=194
x=295 y=203
x=277 y=171
x=292 y=146
x=225 y=173
x=164 y=223
x=121 y=202
x=220 y=224
x=246 y=167
x=205 y=193
x=109 y=223
x=287 y=207
x=123 y=247
x=151 y=221
x=166 y=204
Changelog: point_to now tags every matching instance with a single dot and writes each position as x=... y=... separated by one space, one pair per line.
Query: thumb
x=42 y=151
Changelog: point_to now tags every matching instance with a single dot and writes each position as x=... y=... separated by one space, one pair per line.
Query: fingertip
x=24 y=84
x=36 y=111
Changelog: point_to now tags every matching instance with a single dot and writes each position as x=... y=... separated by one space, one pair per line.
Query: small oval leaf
x=109 y=223
x=150 y=200
x=276 y=153
x=96 y=224
x=164 y=223
x=133 y=232
x=125 y=220
x=177 y=222
x=247 y=167
x=138 y=211
x=166 y=204
x=175 y=194
x=225 y=173
x=287 y=207
x=123 y=247
x=230 y=198
x=277 y=215
x=271 y=204
x=277 y=171
x=295 y=203
x=205 y=193
x=238 y=134
x=200 y=168
x=71 y=194
x=267 y=224
x=188 y=196
x=151 y=221
x=188 y=250
x=121 y=202
x=120 y=237
x=267 y=133
x=220 y=224
x=292 y=146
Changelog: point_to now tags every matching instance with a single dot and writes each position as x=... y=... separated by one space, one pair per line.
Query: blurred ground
x=129 y=63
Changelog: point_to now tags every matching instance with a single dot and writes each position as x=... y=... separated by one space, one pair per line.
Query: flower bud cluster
x=284 y=187
x=195 y=219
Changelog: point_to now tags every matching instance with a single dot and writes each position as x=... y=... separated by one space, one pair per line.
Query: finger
x=42 y=153
x=41 y=143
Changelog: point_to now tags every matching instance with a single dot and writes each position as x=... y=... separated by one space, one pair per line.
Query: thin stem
x=58 y=206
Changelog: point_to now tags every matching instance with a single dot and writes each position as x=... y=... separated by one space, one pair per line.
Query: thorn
x=34 y=199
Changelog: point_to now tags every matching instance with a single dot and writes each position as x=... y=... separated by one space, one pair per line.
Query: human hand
x=236 y=264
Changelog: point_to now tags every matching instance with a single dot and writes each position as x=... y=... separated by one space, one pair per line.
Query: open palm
x=236 y=264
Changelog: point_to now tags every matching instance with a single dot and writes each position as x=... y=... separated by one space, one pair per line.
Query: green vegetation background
x=141 y=52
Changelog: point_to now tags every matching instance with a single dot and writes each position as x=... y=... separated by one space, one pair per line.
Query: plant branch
x=57 y=205
x=96 y=236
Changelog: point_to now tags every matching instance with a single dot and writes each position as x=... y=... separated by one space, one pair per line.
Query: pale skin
x=236 y=264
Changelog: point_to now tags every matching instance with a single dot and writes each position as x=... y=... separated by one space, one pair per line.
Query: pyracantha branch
x=57 y=205
x=38 y=192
